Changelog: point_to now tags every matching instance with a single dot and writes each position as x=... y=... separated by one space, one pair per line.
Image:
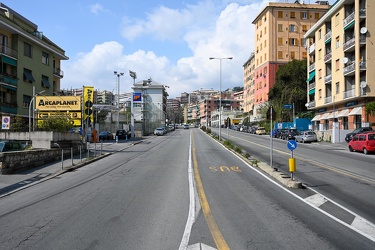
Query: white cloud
x=97 y=8
x=230 y=33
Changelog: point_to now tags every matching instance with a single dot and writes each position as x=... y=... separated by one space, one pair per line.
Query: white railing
x=328 y=35
x=328 y=78
x=312 y=48
x=349 y=69
x=311 y=67
x=348 y=19
x=350 y=43
x=349 y=93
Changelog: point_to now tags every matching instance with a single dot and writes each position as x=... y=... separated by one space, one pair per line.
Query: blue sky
x=169 y=41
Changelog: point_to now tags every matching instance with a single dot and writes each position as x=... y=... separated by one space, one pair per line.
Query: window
x=293 y=41
x=292 y=28
x=304 y=55
x=27 y=50
x=303 y=15
x=28 y=76
x=320 y=73
x=265 y=30
x=337 y=42
x=337 y=19
x=280 y=54
x=304 y=28
x=26 y=101
x=45 y=58
x=320 y=93
x=337 y=87
x=280 y=27
x=261 y=46
x=337 y=64
x=303 y=42
x=265 y=43
x=292 y=14
x=45 y=82
x=280 y=14
x=316 y=16
x=292 y=55
x=260 y=34
x=320 y=54
x=320 y=34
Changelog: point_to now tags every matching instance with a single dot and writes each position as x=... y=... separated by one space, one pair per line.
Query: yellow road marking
x=220 y=242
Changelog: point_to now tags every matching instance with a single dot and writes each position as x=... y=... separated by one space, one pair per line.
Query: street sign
x=288 y=106
x=292 y=145
x=5 y=122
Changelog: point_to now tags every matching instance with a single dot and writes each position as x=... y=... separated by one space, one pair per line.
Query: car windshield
x=103 y=133
x=2 y=144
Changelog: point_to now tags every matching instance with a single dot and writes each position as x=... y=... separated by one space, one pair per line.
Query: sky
x=169 y=41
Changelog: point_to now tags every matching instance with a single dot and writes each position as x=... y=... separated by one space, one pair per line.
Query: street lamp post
x=134 y=76
x=117 y=74
x=31 y=105
x=220 y=59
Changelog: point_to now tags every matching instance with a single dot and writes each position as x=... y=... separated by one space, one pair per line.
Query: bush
x=238 y=149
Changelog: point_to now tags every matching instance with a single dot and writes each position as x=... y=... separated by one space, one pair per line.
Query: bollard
x=292 y=166
x=71 y=154
x=62 y=159
x=116 y=139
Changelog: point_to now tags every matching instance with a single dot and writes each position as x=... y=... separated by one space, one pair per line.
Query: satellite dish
x=345 y=60
x=363 y=84
x=363 y=30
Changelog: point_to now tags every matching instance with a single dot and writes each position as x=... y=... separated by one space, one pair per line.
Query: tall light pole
x=31 y=105
x=220 y=59
x=118 y=97
x=134 y=76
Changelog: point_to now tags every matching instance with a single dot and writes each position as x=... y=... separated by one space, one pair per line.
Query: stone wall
x=12 y=162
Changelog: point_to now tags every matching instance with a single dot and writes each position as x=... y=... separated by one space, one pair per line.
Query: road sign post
x=292 y=145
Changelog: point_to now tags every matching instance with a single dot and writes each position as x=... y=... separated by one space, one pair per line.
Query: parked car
x=6 y=146
x=364 y=142
x=289 y=134
x=276 y=133
x=105 y=135
x=252 y=130
x=186 y=126
x=122 y=134
x=306 y=136
x=159 y=131
x=260 y=131
x=349 y=136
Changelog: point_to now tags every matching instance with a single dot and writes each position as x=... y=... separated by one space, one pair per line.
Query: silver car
x=159 y=131
x=306 y=136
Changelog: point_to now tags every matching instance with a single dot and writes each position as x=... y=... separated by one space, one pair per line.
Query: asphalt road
x=169 y=192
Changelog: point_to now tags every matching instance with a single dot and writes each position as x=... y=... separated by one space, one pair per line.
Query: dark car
x=6 y=146
x=349 y=136
x=122 y=134
x=289 y=134
x=105 y=135
x=276 y=133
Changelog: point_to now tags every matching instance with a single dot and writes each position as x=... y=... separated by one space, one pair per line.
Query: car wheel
x=365 y=151
x=351 y=149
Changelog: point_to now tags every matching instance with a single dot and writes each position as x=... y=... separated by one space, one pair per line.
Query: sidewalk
x=15 y=182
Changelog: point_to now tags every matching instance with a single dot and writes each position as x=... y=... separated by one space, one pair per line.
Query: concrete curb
x=283 y=178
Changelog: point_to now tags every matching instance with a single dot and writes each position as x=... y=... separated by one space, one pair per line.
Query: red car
x=364 y=142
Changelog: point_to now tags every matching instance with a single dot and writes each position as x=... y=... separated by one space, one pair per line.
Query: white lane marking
x=363 y=225
x=191 y=218
x=369 y=234
x=316 y=200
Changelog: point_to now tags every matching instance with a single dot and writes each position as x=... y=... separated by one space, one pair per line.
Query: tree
x=290 y=88
x=19 y=125
x=370 y=108
x=55 y=123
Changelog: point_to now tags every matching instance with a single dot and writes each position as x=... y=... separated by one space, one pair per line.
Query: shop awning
x=324 y=116
x=333 y=115
x=312 y=91
x=356 y=111
x=311 y=76
x=343 y=113
x=316 y=118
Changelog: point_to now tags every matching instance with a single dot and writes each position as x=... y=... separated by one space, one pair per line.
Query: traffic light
x=88 y=98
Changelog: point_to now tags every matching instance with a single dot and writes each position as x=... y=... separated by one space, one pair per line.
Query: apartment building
x=31 y=64
x=279 y=33
x=340 y=79
x=249 y=84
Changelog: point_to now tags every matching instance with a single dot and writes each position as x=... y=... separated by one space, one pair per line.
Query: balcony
x=349 y=45
x=328 y=57
x=348 y=19
x=328 y=36
x=328 y=79
x=349 y=70
x=349 y=94
x=311 y=104
x=9 y=79
x=312 y=67
x=362 y=13
x=8 y=51
x=328 y=99
x=58 y=72
x=312 y=86
x=312 y=48
x=362 y=66
x=8 y=107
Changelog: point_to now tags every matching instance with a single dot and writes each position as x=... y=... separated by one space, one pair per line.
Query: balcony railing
x=362 y=13
x=312 y=86
x=12 y=80
x=362 y=65
x=362 y=39
x=348 y=44
x=328 y=79
x=349 y=69
x=58 y=72
x=8 y=51
x=348 y=19
x=328 y=99
x=328 y=35
x=312 y=48
x=328 y=57
x=312 y=104
x=311 y=67
x=349 y=93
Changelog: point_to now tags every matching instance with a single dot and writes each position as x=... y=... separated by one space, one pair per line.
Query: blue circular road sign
x=292 y=144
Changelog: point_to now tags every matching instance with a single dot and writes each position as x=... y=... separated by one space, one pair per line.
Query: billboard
x=58 y=103
x=88 y=101
x=137 y=97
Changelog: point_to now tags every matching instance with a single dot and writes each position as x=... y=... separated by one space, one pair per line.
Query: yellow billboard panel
x=88 y=101
x=69 y=114
x=58 y=103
